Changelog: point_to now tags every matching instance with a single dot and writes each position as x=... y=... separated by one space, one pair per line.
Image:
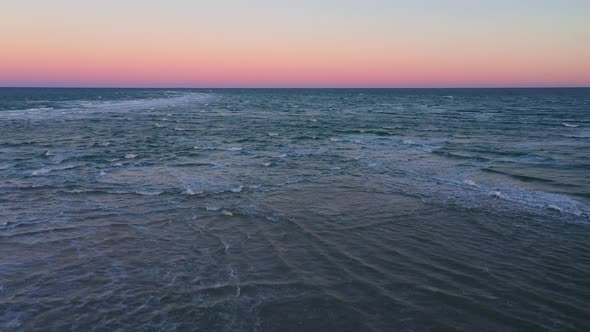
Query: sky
x=303 y=43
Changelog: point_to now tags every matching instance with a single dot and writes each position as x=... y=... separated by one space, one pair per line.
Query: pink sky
x=278 y=44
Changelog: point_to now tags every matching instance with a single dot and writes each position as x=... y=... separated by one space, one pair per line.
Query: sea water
x=312 y=209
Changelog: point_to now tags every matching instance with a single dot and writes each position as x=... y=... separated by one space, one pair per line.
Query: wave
x=524 y=178
x=89 y=107
x=565 y=124
x=455 y=155
x=49 y=169
x=543 y=200
x=582 y=136
x=471 y=194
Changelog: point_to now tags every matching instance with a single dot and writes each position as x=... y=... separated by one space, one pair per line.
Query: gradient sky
x=304 y=43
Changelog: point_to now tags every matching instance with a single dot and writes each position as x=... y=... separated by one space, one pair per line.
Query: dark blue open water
x=295 y=210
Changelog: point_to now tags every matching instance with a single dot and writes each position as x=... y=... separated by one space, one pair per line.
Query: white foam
x=47 y=154
x=551 y=201
x=75 y=191
x=85 y=108
x=236 y=189
x=273 y=134
x=226 y=213
x=496 y=194
x=4 y=166
x=470 y=183
x=234 y=148
x=266 y=164
x=212 y=208
x=565 y=124
x=130 y=156
x=148 y=192
x=40 y=172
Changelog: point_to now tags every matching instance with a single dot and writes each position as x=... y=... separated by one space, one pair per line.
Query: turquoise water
x=414 y=210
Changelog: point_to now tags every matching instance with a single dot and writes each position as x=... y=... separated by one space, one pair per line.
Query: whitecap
x=273 y=134
x=41 y=171
x=408 y=141
x=234 y=148
x=236 y=189
x=226 y=213
x=496 y=194
x=66 y=167
x=565 y=124
x=130 y=156
x=539 y=199
x=212 y=208
x=47 y=154
x=470 y=183
x=148 y=192
x=266 y=164
x=332 y=139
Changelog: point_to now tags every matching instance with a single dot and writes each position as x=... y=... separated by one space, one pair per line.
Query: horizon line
x=294 y=88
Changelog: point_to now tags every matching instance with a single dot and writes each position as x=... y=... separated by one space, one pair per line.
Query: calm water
x=294 y=210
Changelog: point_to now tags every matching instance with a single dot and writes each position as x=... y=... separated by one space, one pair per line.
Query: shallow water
x=273 y=210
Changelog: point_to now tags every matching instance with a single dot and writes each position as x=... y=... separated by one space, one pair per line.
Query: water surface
x=294 y=210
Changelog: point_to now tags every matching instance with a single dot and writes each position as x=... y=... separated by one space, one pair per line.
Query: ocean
x=295 y=209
